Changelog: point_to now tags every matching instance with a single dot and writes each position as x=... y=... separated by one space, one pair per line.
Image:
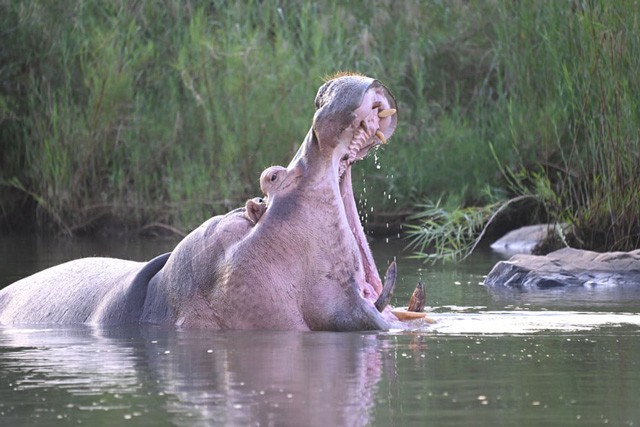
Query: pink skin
x=277 y=180
x=273 y=180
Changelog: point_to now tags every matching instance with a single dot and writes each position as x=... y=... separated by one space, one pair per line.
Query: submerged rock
x=567 y=267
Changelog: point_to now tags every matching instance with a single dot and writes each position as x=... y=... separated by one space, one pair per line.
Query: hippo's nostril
x=274 y=177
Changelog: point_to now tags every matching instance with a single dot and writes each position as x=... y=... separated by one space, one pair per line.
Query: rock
x=567 y=267
x=524 y=239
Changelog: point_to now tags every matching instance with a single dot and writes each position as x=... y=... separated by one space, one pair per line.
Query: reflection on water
x=193 y=377
x=566 y=357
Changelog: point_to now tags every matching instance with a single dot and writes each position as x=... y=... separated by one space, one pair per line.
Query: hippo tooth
x=381 y=137
x=387 y=113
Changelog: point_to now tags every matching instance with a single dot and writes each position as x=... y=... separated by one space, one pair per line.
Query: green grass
x=166 y=112
x=568 y=107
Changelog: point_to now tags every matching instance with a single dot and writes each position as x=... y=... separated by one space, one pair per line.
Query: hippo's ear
x=254 y=209
x=337 y=101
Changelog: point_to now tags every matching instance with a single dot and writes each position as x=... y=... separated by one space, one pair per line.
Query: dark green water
x=552 y=358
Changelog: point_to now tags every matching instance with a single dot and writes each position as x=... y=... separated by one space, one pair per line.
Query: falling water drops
x=376 y=159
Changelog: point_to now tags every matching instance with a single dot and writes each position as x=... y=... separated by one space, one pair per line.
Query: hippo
x=297 y=261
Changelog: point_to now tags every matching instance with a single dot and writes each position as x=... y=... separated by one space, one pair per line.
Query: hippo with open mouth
x=296 y=260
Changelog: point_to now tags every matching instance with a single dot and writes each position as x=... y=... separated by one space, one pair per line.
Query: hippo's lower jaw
x=373 y=119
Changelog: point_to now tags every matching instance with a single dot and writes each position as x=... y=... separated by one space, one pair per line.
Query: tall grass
x=577 y=88
x=569 y=108
x=166 y=111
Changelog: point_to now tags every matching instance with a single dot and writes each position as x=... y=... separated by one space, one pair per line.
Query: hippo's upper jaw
x=373 y=122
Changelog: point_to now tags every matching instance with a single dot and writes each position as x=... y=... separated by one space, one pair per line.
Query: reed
x=166 y=112
x=568 y=108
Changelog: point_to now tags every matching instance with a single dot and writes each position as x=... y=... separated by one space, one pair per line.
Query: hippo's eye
x=274 y=177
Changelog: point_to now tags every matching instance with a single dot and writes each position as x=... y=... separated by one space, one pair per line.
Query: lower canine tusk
x=387 y=287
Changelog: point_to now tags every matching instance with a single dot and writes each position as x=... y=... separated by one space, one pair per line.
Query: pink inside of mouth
x=367 y=130
x=364 y=138
x=372 y=286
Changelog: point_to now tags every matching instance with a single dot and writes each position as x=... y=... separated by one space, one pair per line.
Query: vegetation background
x=157 y=114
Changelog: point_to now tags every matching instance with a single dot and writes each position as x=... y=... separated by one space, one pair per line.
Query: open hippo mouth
x=373 y=122
x=354 y=114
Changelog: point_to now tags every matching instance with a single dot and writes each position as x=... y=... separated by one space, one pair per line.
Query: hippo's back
x=79 y=291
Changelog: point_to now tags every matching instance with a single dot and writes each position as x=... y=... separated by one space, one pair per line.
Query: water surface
x=492 y=358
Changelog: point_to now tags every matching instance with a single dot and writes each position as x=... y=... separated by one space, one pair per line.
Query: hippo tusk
x=381 y=137
x=387 y=288
x=418 y=299
x=387 y=113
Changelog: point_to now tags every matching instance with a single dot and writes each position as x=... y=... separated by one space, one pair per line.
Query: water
x=508 y=358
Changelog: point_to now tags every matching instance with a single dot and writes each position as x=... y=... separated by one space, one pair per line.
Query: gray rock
x=524 y=239
x=567 y=267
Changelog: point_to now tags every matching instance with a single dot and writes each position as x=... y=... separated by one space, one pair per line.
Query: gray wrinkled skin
x=296 y=265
